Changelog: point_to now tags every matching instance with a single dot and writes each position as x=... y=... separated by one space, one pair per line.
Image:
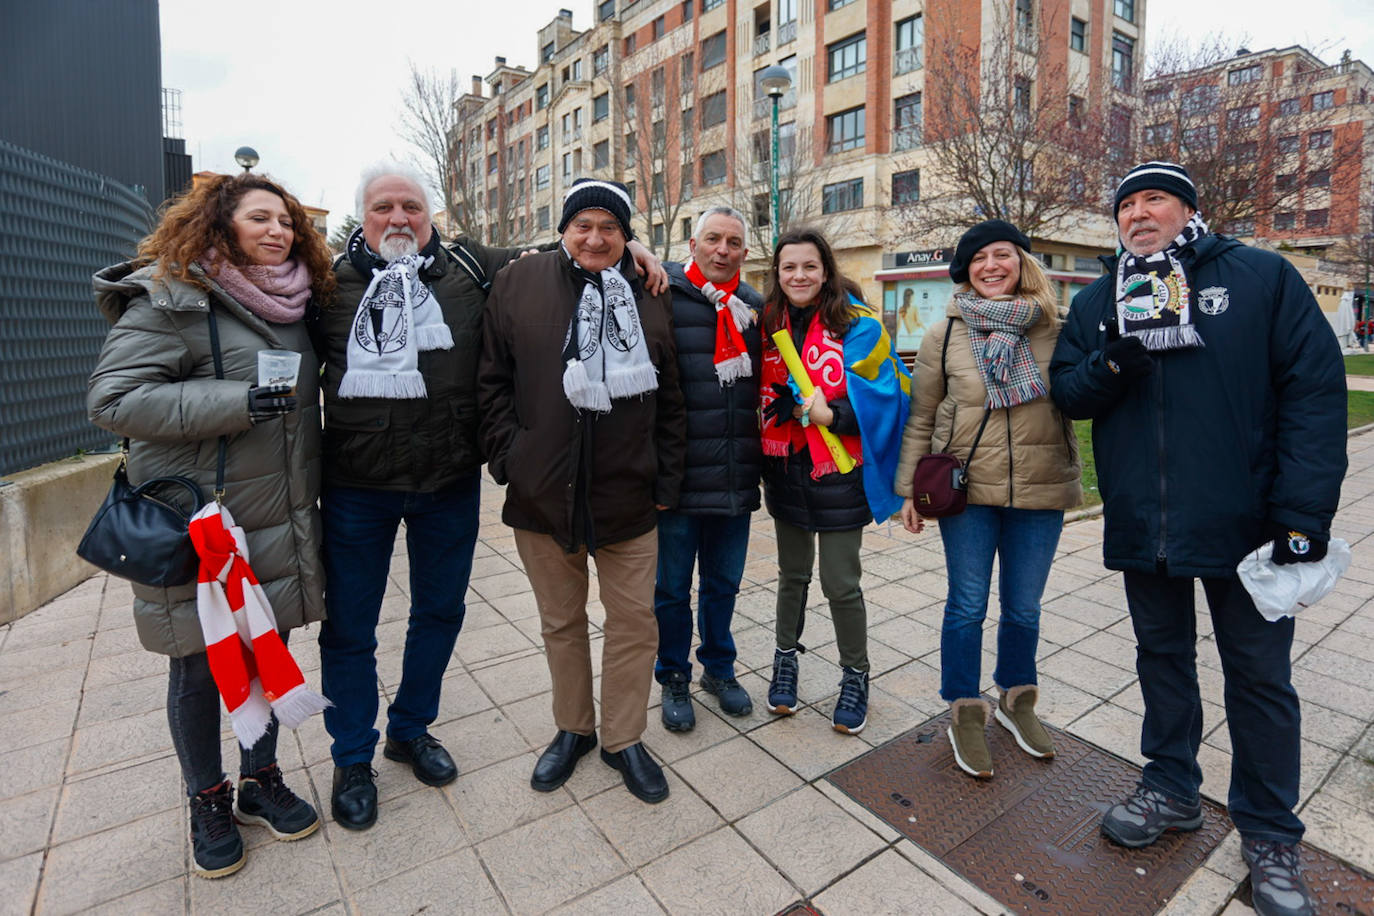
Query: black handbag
x=142 y=533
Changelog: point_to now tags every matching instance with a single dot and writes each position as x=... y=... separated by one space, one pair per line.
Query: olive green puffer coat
x=155 y=383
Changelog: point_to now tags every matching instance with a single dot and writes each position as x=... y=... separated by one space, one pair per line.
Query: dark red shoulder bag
x=939 y=485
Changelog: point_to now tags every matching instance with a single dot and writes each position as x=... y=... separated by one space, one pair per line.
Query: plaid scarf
x=731 y=357
x=997 y=335
x=1153 y=301
x=251 y=666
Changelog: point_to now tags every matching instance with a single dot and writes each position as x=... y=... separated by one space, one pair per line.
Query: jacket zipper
x=1011 y=465
x=1161 y=558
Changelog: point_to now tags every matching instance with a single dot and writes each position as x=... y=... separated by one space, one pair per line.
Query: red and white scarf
x=255 y=674
x=733 y=315
x=823 y=356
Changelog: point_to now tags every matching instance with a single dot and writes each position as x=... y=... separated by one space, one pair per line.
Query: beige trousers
x=625 y=575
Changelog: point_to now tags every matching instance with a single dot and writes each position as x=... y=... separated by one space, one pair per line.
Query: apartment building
x=665 y=95
x=1281 y=143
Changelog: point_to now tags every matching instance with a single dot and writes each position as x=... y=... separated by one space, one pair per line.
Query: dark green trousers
x=840 y=574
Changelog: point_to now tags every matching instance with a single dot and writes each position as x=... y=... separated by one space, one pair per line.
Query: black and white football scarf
x=1153 y=300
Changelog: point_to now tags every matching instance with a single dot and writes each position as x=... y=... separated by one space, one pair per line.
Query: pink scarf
x=274 y=293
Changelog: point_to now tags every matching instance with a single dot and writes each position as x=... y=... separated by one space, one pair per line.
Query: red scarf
x=732 y=317
x=255 y=674
x=823 y=356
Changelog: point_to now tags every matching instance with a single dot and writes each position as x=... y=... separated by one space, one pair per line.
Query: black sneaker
x=734 y=699
x=265 y=800
x=1147 y=815
x=215 y=842
x=677 y=712
x=782 y=689
x=1276 y=885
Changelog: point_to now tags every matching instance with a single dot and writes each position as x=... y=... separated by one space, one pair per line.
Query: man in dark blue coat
x=718 y=348
x=1218 y=402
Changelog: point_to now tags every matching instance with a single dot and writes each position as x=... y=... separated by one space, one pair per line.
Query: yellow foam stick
x=843 y=460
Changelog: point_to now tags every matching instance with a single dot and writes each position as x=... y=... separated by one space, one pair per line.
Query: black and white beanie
x=595 y=194
x=1160 y=175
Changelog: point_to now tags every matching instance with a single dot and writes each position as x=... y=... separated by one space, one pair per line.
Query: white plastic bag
x=1282 y=591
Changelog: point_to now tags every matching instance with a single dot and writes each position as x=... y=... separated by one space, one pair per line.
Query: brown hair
x=202 y=218
x=833 y=308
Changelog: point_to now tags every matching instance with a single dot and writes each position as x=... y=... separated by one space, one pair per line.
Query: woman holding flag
x=831 y=431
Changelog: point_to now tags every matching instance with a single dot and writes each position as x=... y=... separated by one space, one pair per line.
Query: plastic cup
x=279 y=367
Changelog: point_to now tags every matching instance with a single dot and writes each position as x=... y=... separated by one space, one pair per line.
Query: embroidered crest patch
x=1213 y=300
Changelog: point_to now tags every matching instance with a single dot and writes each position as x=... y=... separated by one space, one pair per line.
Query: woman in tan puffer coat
x=982 y=378
x=244 y=248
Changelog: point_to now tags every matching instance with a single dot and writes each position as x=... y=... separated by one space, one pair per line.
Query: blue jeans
x=717 y=545
x=1024 y=540
x=359 y=534
x=1262 y=711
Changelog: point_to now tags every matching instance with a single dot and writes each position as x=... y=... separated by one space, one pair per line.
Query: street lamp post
x=775 y=81
x=247 y=157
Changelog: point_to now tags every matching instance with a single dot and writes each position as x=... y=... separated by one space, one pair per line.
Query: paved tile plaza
x=92 y=818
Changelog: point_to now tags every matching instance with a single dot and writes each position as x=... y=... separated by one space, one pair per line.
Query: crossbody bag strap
x=987 y=412
x=219 y=374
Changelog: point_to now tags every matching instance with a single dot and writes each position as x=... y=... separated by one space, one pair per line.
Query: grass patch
x=1359 y=412
x=1359 y=364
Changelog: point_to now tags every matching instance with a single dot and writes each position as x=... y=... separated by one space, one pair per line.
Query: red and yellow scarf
x=823 y=355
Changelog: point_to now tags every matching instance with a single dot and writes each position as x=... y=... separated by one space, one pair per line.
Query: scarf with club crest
x=1153 y=300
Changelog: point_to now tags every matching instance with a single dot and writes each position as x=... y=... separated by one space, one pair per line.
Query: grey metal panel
x=58 y=225
x=83 y=84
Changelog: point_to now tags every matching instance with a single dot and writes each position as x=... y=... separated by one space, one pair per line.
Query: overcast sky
x=313 y=85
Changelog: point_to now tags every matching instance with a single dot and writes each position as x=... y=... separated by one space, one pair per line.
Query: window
x=713 y=167
x=541 y=97
x=1319 y=139
x=1242 y=152
x=906 y=122
x=845 y=130
x=493 y=198
x=541 y=217
x=1285 y=221
x=541 y=138
x=1025 y=24
x=659 y=26
x=567 y=167
x=687 y=126
x=1316 y=219
x=1321 y=101
x=577 y=69
x=688 y=72
x=630 y=189
x=787 y=12
x=1288 y=144
x=763 y=210
x=1124 y=9
x=1021 y=98
x=1200 y=139
x=906 y=187
x=491 y=163
x=631 y=42
x=601 y=107
x=604 y=11
x=1238 y=228
x=1023 y=176
x=1123 y=60
x=708 y=5
x=1076 y=106
x=658 y=82
x=911 y=36
x=843 y=195
x=659 y=132
x=631 y=150
x=687 y=8
x=1290 y=107
x=1119 y=129
x=848 y=57
x=601 y=155
x=546 y=53
x=1243 y=117
x=630 y=101
x=601 y=60
x=658 y=235
x=1285 y=182
x=1078 y=35
x=1157 y=95
x=686 y=228
x=713 y=109
x=1244 y=75
x=1321 y=178
x=1200 y=99
x=541 y=177
x=1158 y=134
x=836 y=4
x=713 y=51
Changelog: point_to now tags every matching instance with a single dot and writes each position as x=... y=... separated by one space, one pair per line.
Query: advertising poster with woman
x=911 y=306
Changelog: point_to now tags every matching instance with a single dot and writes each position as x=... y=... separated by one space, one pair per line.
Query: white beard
x=398 y=244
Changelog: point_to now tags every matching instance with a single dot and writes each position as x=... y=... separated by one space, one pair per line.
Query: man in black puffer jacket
x=1218 y=402
x=718 y=367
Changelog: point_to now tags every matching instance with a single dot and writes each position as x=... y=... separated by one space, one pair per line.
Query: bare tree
x=999 y=137
x=430 y=124
x=1256 y=147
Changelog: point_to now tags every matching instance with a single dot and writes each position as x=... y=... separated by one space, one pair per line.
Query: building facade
x=666 y=96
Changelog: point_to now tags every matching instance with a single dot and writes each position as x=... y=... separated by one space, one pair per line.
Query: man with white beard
x=399 y=344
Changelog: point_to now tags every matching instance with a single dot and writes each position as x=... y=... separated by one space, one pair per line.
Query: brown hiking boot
x=966 y=735
x=1016 y=713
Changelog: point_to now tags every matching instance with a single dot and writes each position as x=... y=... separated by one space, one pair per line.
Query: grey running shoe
x=734 y=699
x=677 y=712
x=1276 y=885
x=1147 y=815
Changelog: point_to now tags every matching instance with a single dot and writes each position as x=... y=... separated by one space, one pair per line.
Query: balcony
x=763 y=107
x=787 y=33
x=762 y=43
x=907 y=60
x=904 y=138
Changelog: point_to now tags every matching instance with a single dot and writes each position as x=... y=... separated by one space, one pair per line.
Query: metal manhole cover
x=1028 y=836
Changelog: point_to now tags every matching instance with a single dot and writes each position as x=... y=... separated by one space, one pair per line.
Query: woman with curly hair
x=231 y=269
x=819 y=502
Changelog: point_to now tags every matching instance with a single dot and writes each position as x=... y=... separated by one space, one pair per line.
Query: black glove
x=1127 y=359
x=1292 y=546
x=779 y=410
x=267 y=402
